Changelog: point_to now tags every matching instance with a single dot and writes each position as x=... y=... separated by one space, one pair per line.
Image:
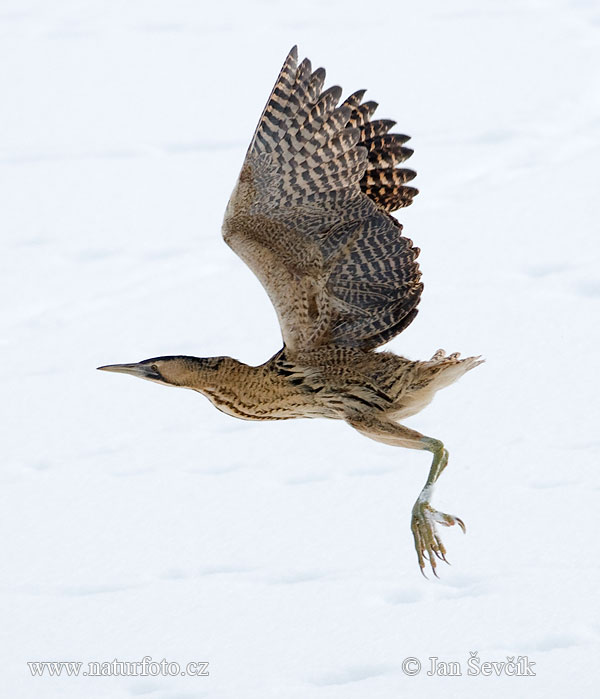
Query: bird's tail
x=442 y=370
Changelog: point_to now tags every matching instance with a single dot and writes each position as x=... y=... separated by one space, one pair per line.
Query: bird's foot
x=428 y=544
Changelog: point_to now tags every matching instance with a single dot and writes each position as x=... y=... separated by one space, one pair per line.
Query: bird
x=311 y=215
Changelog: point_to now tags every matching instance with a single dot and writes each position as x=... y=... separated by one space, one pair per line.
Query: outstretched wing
x=309 y=215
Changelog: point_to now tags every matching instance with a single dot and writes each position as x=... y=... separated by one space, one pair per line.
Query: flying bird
x=311 y=216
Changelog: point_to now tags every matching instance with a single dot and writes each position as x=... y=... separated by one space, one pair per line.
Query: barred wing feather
x=310 y=215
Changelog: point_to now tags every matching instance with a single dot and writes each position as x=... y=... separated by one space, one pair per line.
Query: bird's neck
x=243 y=391
x=213 y=373
x=233 y=387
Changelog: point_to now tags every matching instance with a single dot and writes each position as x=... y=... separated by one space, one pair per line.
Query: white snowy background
x=139 y=521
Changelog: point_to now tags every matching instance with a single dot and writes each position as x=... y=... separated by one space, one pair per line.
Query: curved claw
x=428 y=543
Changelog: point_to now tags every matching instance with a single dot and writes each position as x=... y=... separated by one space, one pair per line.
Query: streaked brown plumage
x=310 y=216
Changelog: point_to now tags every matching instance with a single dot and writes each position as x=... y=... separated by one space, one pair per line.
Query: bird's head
x=187 y=372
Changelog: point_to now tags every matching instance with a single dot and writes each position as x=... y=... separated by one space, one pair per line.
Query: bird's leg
x=424 y=518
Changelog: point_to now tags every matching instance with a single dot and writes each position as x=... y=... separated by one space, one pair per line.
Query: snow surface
x=138 y=521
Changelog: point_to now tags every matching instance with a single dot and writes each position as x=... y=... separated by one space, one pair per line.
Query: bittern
x=311 y=216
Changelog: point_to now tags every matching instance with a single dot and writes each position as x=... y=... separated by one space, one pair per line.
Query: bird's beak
x=143 y=371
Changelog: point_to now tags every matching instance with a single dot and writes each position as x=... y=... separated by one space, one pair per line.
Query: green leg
x=424 y=518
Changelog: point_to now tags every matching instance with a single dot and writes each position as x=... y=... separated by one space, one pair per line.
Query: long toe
x=428 y=542
x=448 y=520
